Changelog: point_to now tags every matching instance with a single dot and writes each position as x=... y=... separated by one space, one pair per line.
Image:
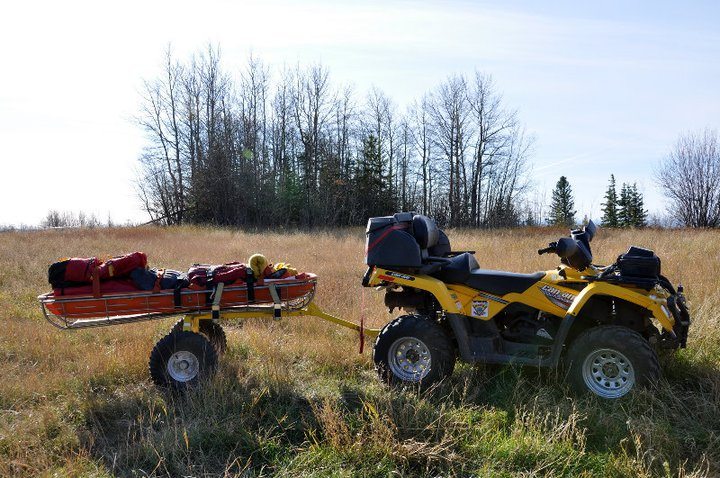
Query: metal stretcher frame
x=296 y=307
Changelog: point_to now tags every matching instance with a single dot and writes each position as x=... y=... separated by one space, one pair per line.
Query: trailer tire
x=182 y=360
x=413 y=349
x=213 y=331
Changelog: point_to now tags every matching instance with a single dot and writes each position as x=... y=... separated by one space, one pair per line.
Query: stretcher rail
x=123 y=308
x=279 y=308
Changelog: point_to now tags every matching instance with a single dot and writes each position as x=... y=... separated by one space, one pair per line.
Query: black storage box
x=390 y=242
x=640 y=263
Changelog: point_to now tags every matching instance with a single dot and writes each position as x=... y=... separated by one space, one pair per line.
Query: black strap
x=177 y=294
x=250 y=281
x=209 y=293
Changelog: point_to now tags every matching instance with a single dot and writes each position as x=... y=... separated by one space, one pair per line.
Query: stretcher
x=189 y=353
x=88 y=310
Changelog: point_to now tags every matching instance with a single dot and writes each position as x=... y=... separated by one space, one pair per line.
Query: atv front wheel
x=413 y=349
x=610 y=361
x=213 y=331
x=182 y=360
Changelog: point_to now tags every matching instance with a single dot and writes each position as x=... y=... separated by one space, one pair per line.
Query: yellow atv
x=606 y=323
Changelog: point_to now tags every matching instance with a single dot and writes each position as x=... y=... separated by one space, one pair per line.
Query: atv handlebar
x=552 y=247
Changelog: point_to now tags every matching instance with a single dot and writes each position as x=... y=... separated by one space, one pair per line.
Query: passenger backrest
x=425 y=232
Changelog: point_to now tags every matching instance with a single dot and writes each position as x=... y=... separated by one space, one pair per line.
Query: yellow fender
x=656 y=305
x=448 y=300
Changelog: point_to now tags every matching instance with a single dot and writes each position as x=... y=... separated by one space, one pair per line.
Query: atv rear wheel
x=213 y=331
x=413 y=349
x=610 y=361
x=182 y=360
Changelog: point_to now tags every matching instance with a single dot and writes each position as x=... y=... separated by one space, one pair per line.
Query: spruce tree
x=639 y=213
x=610 y=206
x=372 y=185
x=561 y=208
x=625 y=207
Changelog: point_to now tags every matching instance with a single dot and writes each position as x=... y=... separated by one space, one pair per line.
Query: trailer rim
x=183 y=366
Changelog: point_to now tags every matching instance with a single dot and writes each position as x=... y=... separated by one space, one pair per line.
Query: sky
x=604 y=87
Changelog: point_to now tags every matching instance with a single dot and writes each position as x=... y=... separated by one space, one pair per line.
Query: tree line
x=625 y=210
x=297 y=149
x=293 y=148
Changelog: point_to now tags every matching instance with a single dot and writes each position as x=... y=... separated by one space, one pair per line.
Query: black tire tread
x=625 y=340
x=182 y=340
x=213 y=331
x=432 y=334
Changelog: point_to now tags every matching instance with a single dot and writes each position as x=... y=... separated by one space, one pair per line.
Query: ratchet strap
x=217 y=296
x=277 y=312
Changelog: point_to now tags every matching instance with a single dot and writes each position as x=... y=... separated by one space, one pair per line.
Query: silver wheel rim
x=608 y=373
x=409 y=359
x=183 y=366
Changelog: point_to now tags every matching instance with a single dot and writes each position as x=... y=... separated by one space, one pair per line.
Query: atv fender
x=656 y=305
x=447 y=299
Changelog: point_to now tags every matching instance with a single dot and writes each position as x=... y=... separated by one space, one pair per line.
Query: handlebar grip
x=547 y=250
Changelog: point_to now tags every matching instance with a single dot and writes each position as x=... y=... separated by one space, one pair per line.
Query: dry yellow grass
x=295 y=397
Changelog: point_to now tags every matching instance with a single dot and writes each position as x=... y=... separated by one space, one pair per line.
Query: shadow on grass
x=233 y=426
x=226 y=427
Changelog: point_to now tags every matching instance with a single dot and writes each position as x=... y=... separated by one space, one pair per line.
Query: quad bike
x=600 y=321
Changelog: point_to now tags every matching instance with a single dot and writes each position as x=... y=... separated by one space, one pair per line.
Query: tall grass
x=294 y=398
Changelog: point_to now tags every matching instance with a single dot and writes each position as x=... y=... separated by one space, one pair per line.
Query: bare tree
x=421 y=132
x=313 y=100
x=690 y=178
x=449 y=110
x=295 y=148
x=162 y=157
x=496 y=142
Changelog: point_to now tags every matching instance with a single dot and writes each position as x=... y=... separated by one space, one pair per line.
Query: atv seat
x=464 y=269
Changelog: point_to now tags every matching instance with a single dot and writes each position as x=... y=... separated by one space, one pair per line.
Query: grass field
x=294 y=398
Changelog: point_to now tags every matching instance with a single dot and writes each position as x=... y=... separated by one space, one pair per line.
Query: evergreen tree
x=561 y=208
x=610 y=206
x=639 y=213
x=372 y=185
x=624 y=213
x=631 y=207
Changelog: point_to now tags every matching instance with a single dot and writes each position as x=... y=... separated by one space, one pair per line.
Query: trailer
x=188 y=355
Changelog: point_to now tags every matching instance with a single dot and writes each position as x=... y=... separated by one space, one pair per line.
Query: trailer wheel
x=413 y=349
x=610 y=361
x=182 y=360
x=213 y=331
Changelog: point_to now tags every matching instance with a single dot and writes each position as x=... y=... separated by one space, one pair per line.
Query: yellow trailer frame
x=191 y=322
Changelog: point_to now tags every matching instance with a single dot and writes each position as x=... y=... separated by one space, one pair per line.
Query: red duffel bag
x=121 y=266
x=79 y=270
x=73 y=270
x=229 y=273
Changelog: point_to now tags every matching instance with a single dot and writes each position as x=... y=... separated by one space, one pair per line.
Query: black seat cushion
x=458 y=269
x=464 y=269
x=500 y=282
